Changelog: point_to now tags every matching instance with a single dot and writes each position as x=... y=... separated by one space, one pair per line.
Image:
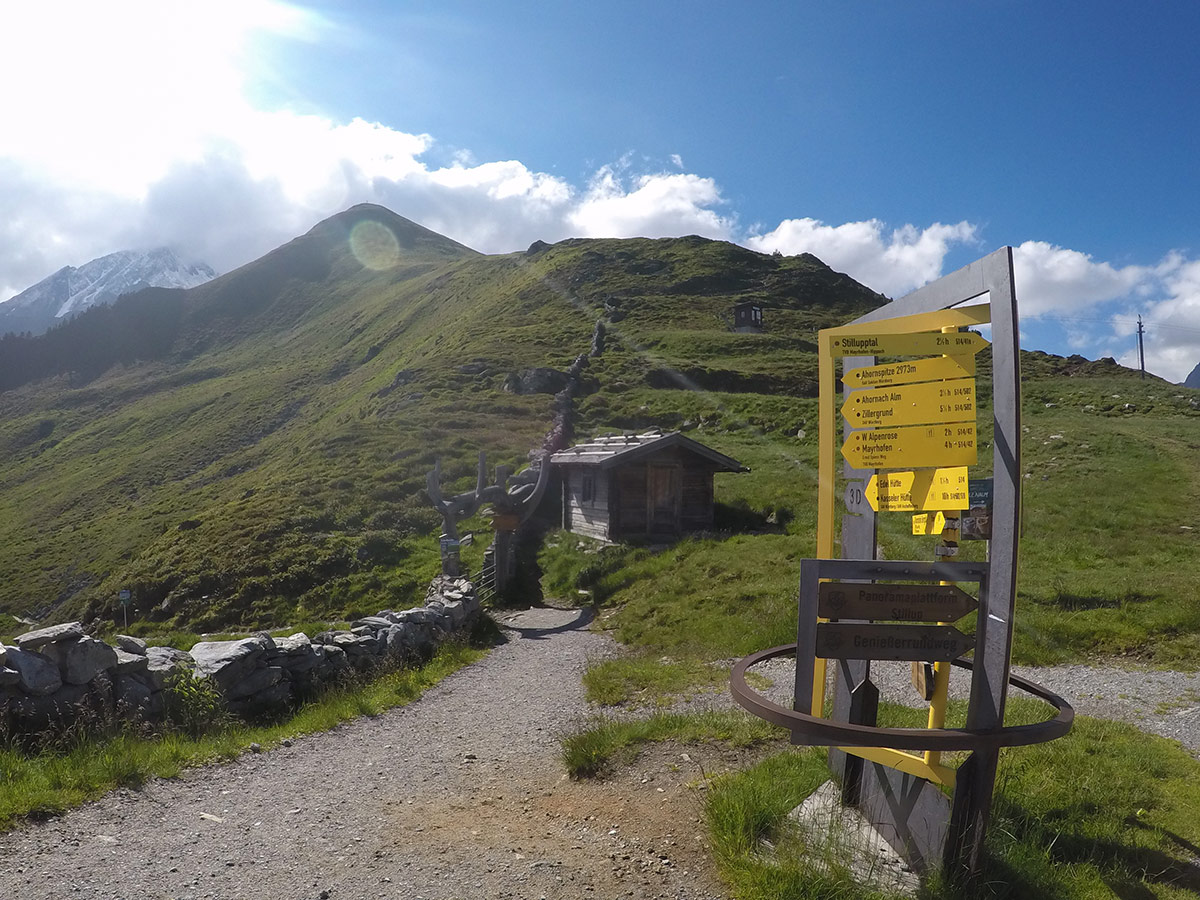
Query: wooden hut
x=639 y=486
x=748 y=317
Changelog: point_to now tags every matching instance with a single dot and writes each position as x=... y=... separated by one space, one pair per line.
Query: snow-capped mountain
x=71 y=290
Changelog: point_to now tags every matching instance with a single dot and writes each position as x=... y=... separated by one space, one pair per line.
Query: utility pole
x=1141 y=346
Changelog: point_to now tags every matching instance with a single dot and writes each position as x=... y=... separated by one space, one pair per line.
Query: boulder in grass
x=271 y=698
x=129 y=663
x=228 y=662
x=164 y=662
x=81 y=660
x=258 y=681
x=131 y=644
x=32 y=640
x=136 y=696
x=39 y=675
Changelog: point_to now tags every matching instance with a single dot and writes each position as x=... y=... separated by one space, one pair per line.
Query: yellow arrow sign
x=928 y=523
x=932 y=369
x=912 y=404
x=917 y=343
x=915 y=447
x=912 y=491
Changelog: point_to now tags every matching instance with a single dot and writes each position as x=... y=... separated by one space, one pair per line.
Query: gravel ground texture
x=461 y=794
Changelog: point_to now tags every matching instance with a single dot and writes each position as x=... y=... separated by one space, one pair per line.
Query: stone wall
x=57 y=676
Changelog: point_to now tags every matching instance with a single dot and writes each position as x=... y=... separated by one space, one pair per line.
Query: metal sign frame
x=896 y=789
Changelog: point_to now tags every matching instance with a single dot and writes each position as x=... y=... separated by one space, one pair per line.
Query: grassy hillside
x=262 y=459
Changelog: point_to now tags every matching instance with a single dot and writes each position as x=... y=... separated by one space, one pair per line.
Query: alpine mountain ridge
x=71 y=289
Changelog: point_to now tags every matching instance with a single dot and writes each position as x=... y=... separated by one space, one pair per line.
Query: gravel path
x=461 y=794
x=1160 y=702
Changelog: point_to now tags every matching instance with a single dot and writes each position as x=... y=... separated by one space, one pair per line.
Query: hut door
x=663 y=491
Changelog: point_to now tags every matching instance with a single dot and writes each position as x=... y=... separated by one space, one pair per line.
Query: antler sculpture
x=519 y=502
x=461 y=506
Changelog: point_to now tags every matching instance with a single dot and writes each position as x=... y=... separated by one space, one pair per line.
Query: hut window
x=588 y=491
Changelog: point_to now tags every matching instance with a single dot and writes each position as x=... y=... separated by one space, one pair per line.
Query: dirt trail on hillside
x=459 y=795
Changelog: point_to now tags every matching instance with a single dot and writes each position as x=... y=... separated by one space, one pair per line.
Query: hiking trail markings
x=915 y=491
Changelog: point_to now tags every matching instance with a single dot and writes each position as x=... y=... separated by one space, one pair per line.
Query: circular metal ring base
x=820 y=732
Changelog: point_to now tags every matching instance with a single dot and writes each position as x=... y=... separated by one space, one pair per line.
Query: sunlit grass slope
x=263 y=459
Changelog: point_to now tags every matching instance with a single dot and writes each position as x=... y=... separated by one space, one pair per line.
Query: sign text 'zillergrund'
x=912 y=404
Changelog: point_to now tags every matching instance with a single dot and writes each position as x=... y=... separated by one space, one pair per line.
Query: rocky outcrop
x=540 y=380
x=57 y=675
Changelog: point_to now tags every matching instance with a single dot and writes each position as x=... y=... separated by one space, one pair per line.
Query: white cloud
x=1058 y=281
x=102 y=157
x=654 y=206
x=892 y=263
x=133 y=128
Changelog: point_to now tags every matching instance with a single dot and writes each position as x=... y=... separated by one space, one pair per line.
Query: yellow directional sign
x=932 y=369
x=924 y=489
x=917 y=343
x=912 y=404
x=915 y=446
x=929 y=523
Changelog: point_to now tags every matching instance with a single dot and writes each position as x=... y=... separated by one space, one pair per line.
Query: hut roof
x=617 y=449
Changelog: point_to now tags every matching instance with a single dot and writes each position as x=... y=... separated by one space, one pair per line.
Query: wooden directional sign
x=914 y=491
x=914 y=446
x=917 y=343
x=912 y=404
x=933 y=369
x=930 y=643
x=904 y=602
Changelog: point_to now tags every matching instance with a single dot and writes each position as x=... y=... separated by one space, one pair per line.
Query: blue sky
x=896 y=141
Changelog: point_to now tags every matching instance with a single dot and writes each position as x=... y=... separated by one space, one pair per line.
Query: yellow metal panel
x=912 y=404
x=928 y=523
x=920 y=343
x=934 y=489
x=959 y=317
x=905 y=762
x=915 y=446
x=908 y=372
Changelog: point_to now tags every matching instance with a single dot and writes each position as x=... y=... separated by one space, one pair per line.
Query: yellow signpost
x=913 y=491
x=933 y=369
x=912 y=404
x=917 y=343
x=928 y=523
x=914 y=446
